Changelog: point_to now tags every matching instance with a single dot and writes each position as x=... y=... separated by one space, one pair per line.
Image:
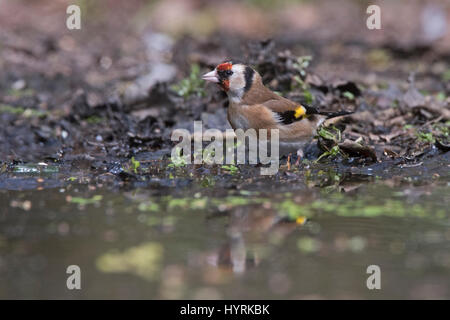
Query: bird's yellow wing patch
x=301 y=220
x=300 y=112
x=296 y=114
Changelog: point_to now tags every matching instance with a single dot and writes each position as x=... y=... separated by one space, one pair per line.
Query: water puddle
x=282 y=237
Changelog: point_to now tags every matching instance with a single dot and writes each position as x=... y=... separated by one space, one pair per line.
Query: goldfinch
x=253 y=105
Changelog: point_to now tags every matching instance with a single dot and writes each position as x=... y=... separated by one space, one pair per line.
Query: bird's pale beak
x=211 y=76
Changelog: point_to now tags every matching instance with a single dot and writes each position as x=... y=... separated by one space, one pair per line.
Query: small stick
x=288 y=162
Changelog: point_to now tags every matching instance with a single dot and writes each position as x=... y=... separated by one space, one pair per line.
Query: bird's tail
x=327 y=114
x=330 y=114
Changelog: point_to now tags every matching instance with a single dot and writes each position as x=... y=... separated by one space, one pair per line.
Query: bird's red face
x=220 y=75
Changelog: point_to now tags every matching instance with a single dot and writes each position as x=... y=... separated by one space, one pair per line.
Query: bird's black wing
x=290 y=116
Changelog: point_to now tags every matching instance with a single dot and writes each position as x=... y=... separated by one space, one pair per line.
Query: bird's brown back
x=260 y=94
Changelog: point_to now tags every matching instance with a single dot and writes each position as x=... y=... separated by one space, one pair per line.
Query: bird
x=252 y=105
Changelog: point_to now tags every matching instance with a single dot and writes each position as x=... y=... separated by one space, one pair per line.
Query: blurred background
x=334 y=30
x=125 y=49
x=85 y=174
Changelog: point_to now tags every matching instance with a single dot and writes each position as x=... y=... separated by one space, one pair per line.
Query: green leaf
x=349 y=95
x=191 y=85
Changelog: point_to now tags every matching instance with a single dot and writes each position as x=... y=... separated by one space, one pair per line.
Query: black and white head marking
x=248 y=74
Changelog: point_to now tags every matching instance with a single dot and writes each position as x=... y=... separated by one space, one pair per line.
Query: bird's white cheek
x=236 y=82
x=235 y=93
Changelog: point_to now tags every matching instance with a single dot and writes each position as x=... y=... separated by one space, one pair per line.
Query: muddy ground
x=79 y=99
x=91 y=111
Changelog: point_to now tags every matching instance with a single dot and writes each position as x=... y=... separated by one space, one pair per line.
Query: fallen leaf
x=390 y=153
x=352 y=147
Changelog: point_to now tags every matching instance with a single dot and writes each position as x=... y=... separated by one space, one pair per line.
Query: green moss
x=293 y=210
x=179 y=160
x=309 y=98
x=28 y=113
x=135 y=164
x=332 y=153
x=408 y=126
x=376 y=202
x=192 y=85
x=20 y=93
x=379 y=58
x=85 y=201
x=207 y=182
x=94 y=120
x=442 y=128
x=179 y=202
x=149 y=206
x=348 y=95
x=302 y=64
x=440 y=96
x=425 y=137
x=143 y=260
x=232 y=169
x=330 y=133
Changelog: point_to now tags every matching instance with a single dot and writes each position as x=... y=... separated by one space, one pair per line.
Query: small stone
x=105 y=62
x=19 y=85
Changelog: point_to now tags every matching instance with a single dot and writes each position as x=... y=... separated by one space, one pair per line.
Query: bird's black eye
x=224 y=74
